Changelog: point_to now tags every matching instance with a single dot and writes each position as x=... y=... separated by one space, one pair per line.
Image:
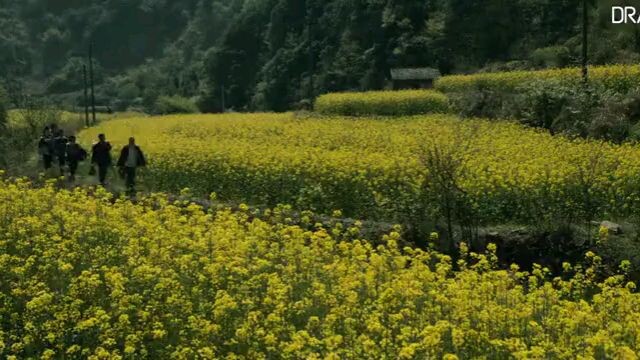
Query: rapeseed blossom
x=373 y=168
x=619 y=78
x=88 y=276
x=383 y=103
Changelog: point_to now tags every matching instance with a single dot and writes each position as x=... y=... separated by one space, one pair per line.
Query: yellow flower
x=156 y=279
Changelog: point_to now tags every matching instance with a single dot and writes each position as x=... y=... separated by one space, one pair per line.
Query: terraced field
x=378 y=168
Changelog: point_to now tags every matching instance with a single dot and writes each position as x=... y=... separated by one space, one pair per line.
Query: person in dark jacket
x=45 y=148
x=101 y=157
x=75 y=154
x=131 y=157
x=60 y=149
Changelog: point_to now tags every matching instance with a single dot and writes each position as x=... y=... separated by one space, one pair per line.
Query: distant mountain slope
x=273 y=54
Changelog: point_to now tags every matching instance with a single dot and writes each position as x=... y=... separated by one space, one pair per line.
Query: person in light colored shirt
x=131 y=158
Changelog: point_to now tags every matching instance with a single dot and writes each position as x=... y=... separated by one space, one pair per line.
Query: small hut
x=414 y=78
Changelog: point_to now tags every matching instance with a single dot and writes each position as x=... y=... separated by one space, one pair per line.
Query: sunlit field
x=376 y=168
x=86 y=278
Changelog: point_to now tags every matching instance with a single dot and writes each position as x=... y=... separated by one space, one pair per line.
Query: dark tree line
x=278 y=54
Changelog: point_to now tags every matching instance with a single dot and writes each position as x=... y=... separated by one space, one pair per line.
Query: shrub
x=174 y=105
x=552 y=56
x=539 y=104
x=384 y=103
x=555 y=100
x=578 y=111
x=482 y=101
x=22 y=128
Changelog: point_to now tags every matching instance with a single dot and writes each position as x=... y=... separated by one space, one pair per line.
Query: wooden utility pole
x=585 y=40
x=86 y=96
x=91 y=80
x=222 y=98
x=310 y=48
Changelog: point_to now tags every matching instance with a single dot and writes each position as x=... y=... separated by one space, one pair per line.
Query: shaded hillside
x=273 y=54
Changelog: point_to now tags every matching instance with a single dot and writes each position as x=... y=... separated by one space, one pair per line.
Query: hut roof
x=415 y=74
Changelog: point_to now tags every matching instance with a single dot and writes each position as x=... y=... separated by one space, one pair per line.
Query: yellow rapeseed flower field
x=383 y=103
x=375 y=168
x=620 y=78
x=84 y=276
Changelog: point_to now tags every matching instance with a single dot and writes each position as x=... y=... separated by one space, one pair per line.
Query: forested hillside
x=277 y=54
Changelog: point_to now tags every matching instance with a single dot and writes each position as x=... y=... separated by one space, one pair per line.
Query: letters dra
x=625 y=15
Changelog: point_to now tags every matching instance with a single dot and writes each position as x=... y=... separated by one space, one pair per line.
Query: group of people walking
x=57 y=149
